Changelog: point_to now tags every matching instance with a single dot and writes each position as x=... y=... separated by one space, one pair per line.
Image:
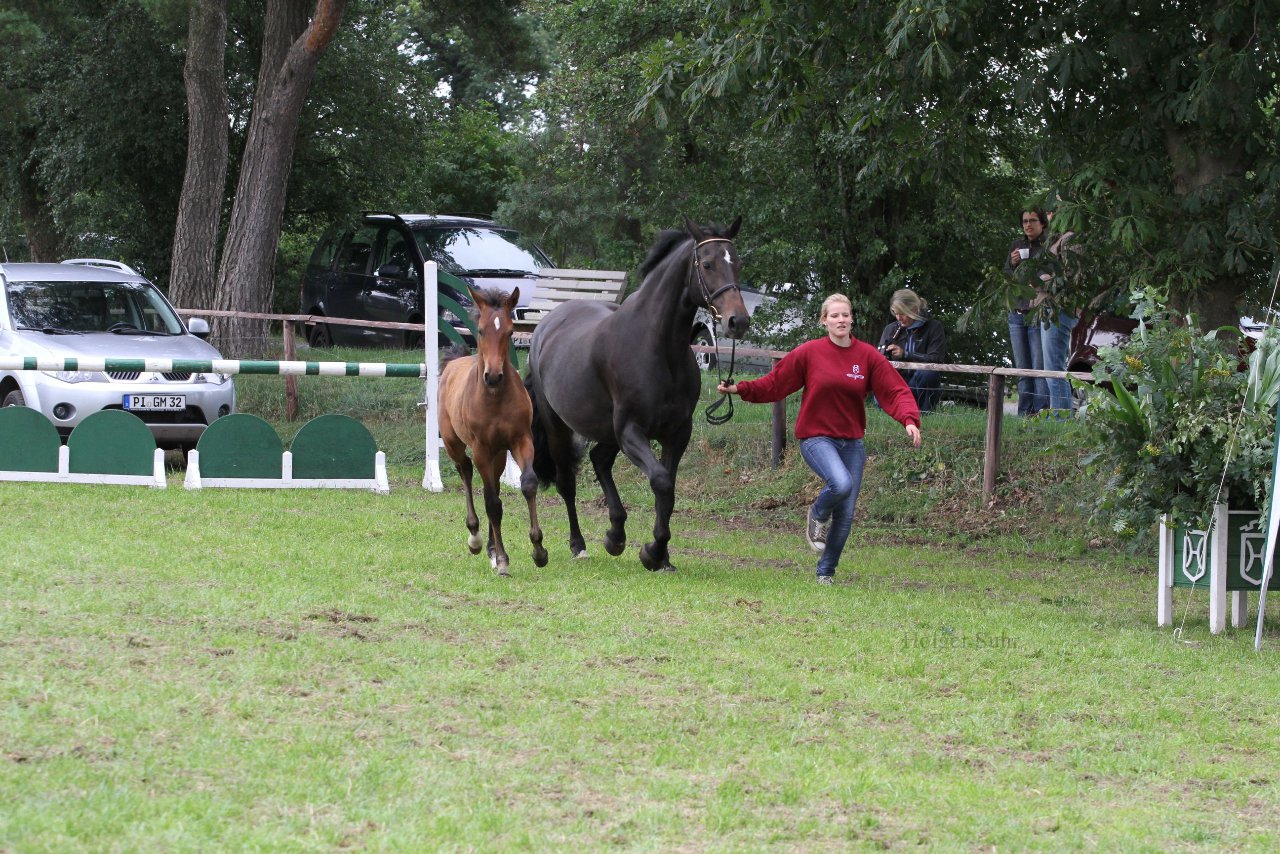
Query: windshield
x=69 y=307
x=462 y=251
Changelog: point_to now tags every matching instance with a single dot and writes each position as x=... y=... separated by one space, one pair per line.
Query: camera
x=884 y=349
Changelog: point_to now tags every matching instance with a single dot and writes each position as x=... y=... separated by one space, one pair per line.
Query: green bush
x=1177 y=424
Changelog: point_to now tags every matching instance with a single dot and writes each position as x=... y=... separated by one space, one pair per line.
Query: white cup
x=1024 y=254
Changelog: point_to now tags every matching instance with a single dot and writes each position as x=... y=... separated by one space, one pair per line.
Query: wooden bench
x=557 y=286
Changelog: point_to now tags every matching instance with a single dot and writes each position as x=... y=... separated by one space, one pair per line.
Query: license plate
x=155 y=402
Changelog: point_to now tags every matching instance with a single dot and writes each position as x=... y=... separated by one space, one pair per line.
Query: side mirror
x=198 y=327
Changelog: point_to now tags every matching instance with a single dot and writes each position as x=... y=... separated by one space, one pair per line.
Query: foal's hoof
x=540 y=557
x=473 y=543
x=615 y=547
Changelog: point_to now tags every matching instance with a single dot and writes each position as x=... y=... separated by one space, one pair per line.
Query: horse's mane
x=493 y=296
x=668 y=239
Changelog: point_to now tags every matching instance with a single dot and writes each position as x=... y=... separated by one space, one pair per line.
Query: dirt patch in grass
x=334 y=615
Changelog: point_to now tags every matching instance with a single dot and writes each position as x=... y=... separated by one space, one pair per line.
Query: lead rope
x=714 y=416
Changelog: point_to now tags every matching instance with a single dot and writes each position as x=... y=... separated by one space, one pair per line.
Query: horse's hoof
x=540 y=557
x=615 y=547
x=581 y=555
x=502 y=572
x=667 y=567
x=650 y=562
x=473 y=543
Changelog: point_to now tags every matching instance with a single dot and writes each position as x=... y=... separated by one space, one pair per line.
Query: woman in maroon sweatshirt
x=837 y=373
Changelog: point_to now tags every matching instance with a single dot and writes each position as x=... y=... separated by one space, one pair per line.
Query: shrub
x=1176 y=423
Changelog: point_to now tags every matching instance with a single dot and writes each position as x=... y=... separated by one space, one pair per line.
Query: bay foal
x=483 y=406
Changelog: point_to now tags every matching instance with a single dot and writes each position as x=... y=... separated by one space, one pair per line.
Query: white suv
x=102 y=309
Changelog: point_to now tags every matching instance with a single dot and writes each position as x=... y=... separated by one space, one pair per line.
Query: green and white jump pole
x=213 y=366
x=428 y=369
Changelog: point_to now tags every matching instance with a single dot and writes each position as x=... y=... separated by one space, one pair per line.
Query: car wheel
x=320 y=336
x=706 y=361
x=14 y=398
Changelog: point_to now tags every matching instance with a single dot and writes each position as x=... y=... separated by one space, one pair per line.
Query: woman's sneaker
x=816 y=532
x=826 y=579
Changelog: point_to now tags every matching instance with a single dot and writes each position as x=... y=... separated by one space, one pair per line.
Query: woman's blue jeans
x=839 y=463
x=1028 y=353
x=1055 y=339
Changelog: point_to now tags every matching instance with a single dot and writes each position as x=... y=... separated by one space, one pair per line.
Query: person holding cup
x=1024 y=332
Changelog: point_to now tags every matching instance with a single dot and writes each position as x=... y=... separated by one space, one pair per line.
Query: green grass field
x=320 y=670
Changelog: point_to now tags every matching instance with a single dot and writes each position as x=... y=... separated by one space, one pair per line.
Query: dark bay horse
x=484 y=406
x=623 y=377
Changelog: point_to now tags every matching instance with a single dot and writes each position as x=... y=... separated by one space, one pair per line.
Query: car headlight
x=215 y=379
x=76 y=376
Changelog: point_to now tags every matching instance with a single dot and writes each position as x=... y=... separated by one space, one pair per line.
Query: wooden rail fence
x=995 y=381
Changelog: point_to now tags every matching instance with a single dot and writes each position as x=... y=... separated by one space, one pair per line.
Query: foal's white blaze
x=497 y=324
x=727 y=259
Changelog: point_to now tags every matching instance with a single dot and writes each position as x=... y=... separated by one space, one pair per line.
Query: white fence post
x=431 y=476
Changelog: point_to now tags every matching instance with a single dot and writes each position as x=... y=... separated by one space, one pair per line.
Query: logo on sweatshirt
x=856 y=373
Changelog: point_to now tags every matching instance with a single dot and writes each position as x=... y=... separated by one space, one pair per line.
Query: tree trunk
x=245 y=281
x=1216 y=303
x=195 y=238
x=43 y=240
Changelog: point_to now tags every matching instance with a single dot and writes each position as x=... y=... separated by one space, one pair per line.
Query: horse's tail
x=544 y=463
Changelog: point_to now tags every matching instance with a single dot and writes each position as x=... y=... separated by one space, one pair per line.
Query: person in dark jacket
x=915 y=337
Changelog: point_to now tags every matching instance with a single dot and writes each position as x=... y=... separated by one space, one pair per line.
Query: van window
x=356 y=252
x=326 y=249
x=395 y=250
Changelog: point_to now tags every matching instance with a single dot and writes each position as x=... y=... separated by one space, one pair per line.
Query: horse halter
x=714 y=416
x=707 y=293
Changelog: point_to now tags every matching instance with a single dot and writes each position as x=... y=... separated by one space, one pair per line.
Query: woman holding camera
x=915 y=337
x=837 y=372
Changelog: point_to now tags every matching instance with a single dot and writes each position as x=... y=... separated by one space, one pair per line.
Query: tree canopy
x=1149 y=126
x=868 y=146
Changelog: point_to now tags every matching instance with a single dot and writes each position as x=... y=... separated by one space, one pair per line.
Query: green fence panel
x=451 y=305
x=334 y=447
x=111 y=441
x=28 y=441
x=241 y=446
